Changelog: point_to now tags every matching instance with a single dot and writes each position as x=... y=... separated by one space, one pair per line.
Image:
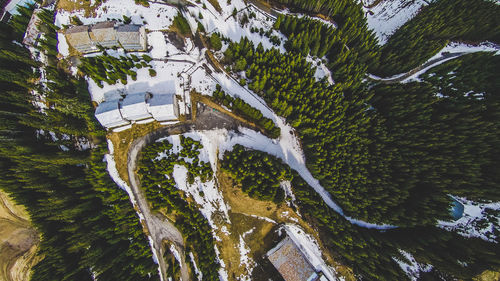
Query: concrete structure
x=291 y=262
x=133 y=107
x=163 y=107
x=132 y=37
x=86 y=38
x=109 y=115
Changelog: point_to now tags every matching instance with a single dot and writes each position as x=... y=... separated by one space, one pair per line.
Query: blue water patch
x=457 y=211
x=13 y=10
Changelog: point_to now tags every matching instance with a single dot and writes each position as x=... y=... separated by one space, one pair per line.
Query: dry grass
x=71 y=6
x=18 y=241
x=122 y=141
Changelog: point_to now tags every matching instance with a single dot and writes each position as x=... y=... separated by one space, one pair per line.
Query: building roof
x=290 y=262
x=133 y=107
x=162 y=107
x=104 y=33
x=131 y=36
x=108 y=114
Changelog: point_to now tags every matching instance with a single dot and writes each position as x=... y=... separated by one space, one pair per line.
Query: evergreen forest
x=87 y=225
x=369 y=252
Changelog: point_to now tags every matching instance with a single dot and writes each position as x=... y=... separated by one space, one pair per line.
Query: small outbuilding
x=291 y=263
x=134 y=107
x=163 y=107
x=109 y=115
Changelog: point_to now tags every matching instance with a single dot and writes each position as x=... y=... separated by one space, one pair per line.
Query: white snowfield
x=411 y=267
x=386 y=17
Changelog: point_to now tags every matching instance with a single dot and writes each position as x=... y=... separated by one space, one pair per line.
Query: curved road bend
x=160 y=228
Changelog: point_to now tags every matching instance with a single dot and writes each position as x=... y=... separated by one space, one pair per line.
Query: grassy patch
x=122 y=141
x=71 y=6
x=263 y=237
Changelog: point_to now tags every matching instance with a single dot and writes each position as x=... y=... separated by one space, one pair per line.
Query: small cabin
x=292 y=263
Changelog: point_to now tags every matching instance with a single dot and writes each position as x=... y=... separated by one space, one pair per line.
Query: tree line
x=240 y=107
x=109 y=69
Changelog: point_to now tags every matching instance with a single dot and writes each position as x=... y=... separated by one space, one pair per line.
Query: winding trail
x=402 y=76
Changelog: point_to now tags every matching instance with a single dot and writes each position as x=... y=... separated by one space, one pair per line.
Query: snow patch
x=411 y=267
x=480 y=220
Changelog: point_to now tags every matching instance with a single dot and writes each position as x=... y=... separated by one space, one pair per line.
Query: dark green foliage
x=162 y=192
x=369 y=252
x=437 y=24
x=259 y=174
x=250 y=113
x=181 y=24
x=388 y=155
x=106 y=68
x=215 y=41
x=87 y=224
x=349 y=52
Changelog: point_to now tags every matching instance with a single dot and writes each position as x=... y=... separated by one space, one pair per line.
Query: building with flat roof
x=133 y=107
x=104 y=34
x=109 y=115
x=87 y=38
x=132 y=37
x=163 y=107
x=79 y=38
x=292 y=263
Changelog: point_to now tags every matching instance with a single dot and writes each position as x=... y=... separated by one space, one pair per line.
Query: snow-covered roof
x=133 y=107
x=163 y=107
x=108 y=114
x=289 y=260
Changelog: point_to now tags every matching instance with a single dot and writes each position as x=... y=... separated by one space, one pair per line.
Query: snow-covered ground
x=480 y=220
x=410 y=266
x=155 y=17
x=388 y=16
x=205 y=194
x=229 y=26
